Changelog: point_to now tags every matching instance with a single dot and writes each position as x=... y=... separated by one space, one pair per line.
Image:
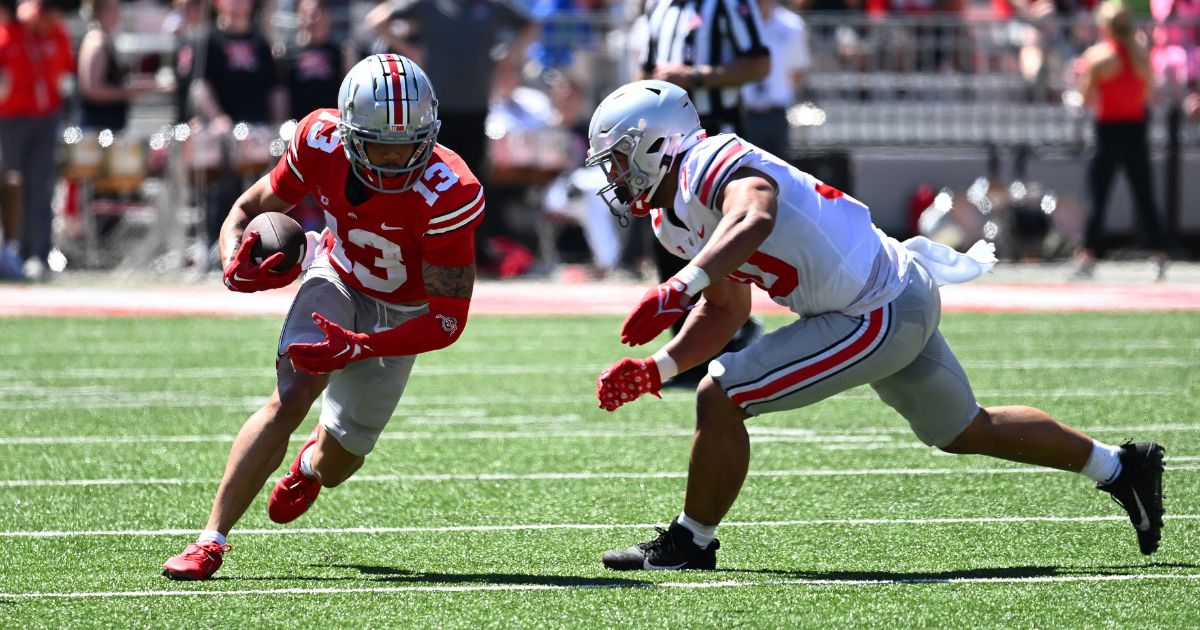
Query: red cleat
x=197 y=562
x=294 y=492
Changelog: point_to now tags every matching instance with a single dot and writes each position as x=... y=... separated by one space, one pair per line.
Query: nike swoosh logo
x=650 y=566
x=344 y=351
x=388 y=227
x=1145 y=524
x=238 y=278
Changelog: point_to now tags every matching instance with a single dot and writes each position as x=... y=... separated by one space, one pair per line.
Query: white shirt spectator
x=785 y=36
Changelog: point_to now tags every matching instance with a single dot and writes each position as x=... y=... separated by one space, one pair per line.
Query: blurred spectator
x=1116 y=83
x=571 y=198
x=460 y=43
x=828 y=28
x=35 y=55
x=936 y=39
x=313 y=71
x=234 y=80
x=238 y=81
x=710 y=49
x=10 y=183
x=523 y=156
x=105 y=85
x=1046 y=41
x=767 y=100
x=567 y=28
x=1176 y=52
x=315 y=65
x=186 y=18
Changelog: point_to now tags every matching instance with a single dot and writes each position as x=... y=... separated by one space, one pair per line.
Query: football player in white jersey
x=868 y=310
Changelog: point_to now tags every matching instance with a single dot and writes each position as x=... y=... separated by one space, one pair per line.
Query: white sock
x=306 y=461
x=701 y=534
x=209 y=535
x=1104 y=464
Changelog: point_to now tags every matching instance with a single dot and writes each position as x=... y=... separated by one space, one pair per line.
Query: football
x=277 y=233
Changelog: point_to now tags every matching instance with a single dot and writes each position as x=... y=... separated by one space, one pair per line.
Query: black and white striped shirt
x=701 y=32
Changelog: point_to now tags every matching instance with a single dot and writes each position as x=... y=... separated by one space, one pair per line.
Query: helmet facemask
x=385 y=179
x=629 y=187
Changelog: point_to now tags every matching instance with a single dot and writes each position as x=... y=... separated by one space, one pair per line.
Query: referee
x=711 y=48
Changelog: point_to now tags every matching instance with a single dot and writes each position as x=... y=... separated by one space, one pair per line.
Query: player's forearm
x=733 y=242
x=707 y=329
x=437 y=329
x=232 y=231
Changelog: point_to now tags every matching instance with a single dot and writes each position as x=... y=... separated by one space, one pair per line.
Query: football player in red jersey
x=392 y=279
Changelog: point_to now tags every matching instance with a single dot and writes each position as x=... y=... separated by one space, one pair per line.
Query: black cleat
x=1138 y=489
x=673 y=549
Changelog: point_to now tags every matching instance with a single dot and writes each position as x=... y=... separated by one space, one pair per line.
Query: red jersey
x=32 y=66
x=379 y=245
x=1122 y=97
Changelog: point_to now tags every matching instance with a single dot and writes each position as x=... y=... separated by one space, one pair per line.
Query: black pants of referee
x=1122 y=145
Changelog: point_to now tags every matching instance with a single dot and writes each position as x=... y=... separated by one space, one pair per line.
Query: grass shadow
x=403 y=576
x=982 y=573
x=904 y=577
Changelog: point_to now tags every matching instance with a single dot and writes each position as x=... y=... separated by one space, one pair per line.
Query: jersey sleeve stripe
x=461 y=210
x=718 y=172
x=723 y=177
x=459 y=225
x=700 y=171
x=292 y=165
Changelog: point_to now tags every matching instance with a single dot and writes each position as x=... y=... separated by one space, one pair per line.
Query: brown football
x=277 y=233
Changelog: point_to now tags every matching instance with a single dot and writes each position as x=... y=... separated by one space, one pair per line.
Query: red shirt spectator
x=35 y=53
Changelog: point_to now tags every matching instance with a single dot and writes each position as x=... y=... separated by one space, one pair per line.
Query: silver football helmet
x=649 y=123
x=388 y=99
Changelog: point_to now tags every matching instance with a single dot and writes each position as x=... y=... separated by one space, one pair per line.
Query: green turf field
x=492 y=495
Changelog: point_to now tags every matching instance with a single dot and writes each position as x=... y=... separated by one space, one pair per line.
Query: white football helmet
x=388 y=99
x=649 y=123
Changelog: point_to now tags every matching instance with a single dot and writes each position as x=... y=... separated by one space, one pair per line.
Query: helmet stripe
x=410 y=87
x=395 y=90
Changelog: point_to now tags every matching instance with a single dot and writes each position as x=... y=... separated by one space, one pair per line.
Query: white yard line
x=240 y=373
x=609 y=584
x=834 y=439
x=803 y=436
x=585 y=526
x=114 y=399
x=960 y=340
x=560 y=476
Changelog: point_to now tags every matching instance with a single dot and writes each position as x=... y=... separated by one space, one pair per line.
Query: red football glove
x=243 y=276
x=659 y=308
x=339 y=349
x=626 y=380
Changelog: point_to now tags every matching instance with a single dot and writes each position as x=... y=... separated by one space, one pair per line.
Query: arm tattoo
x=455 y=282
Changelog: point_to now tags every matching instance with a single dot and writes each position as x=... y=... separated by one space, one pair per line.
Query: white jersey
x=824 y=255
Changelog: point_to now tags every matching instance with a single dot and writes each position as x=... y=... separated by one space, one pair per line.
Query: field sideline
x=498 y=484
